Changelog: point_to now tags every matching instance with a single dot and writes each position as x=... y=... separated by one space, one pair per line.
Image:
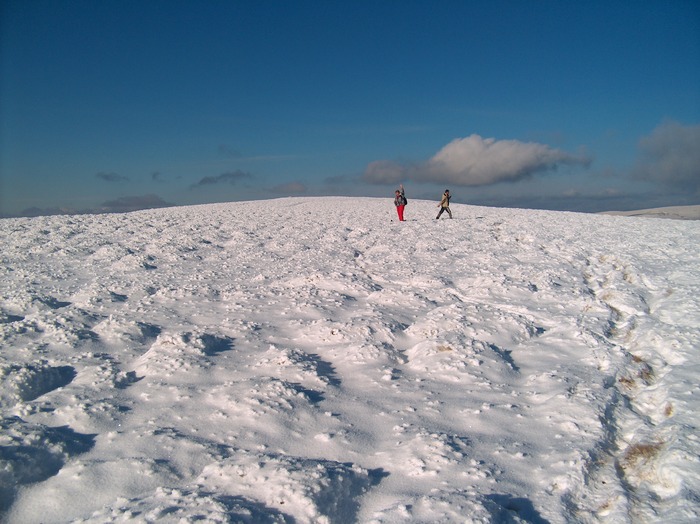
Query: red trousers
x=399 y=210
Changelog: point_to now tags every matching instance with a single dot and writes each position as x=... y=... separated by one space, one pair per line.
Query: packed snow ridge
x=315 y=360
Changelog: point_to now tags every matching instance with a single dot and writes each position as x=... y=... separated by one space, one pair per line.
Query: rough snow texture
x=315 y=360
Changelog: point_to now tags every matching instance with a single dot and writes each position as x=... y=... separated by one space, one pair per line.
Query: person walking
x=400 y=202
x=444 y=204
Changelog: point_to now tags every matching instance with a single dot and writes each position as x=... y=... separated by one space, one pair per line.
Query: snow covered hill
x=672 y=212
x=315 y=360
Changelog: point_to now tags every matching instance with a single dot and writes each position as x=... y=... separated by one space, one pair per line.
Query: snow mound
x=29 y=381
x=173 y=354
x=186 y=505
x=32 y=452
x=305 y=489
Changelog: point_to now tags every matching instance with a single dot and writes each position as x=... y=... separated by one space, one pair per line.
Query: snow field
x=314 y=360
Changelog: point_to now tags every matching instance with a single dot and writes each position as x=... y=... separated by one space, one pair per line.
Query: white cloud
x=671 y=155
x=476 y=161
x=385 y=172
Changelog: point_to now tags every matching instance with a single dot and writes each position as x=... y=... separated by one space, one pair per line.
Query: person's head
x=447 y=191
x=398 y=192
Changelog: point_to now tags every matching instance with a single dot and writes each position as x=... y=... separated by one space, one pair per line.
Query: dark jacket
x=400 y=200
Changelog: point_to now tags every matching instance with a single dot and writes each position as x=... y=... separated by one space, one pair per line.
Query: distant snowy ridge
x=313 y=360
x=673 y=212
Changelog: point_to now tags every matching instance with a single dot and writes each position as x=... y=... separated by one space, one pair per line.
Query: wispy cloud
x=476 y=161
x=225 y=178
x=340 y=179
x=111 y=177
x=670 y=155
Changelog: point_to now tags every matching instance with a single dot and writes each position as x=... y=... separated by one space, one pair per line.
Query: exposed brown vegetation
x=641 y=452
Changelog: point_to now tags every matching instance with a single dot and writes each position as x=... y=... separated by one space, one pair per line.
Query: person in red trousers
x=400 y=202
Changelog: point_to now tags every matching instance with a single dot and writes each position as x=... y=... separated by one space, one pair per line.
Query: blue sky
x=585 y=106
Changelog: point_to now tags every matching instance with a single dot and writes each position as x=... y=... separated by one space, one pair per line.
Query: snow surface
x=315 y=360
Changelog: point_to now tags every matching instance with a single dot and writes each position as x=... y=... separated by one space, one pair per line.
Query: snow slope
x=314 y=360
x=672 y=212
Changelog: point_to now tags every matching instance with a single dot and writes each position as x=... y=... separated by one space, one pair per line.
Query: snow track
x=330 y=365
